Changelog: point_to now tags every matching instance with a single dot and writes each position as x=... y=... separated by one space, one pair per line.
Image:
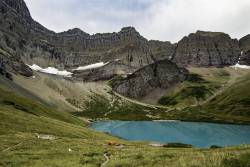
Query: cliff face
x=17 y=29
x=28 y=41
x=207 y=49
x=245 y=43
x=162 y=50
x=82 y=49
x=245 y=47
x=161 y=74
x=16 y=6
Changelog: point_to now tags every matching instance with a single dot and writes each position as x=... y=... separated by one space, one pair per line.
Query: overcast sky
x=167 y=20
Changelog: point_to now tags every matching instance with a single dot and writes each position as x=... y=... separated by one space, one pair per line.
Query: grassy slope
x=231 y=105
x=19 y=146
x=227 y=85
x=22 y=119
x=196 y=91
x=97 y=101
x=59 y=92
x=235 y=100
x=211 y=80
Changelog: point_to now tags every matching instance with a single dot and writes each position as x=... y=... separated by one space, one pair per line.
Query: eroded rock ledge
x=161 y=74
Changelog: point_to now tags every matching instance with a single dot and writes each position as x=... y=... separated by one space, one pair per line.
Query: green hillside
x=235 y=100
x=232 y=105
x=34 y=134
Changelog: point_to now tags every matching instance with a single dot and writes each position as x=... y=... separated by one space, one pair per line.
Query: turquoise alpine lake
x=200 y=135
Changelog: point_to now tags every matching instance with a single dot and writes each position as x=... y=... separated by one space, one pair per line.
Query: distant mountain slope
x=231 y=105
x=207 y=49
x=200 y=86
x=235 y=100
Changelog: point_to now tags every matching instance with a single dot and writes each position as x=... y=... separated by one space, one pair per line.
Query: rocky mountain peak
x=129 y=30
x=17 y=6
x=205 y=48
x=74 y=31
x=209 y=33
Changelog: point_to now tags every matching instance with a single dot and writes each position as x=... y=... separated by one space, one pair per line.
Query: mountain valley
x=54 y=85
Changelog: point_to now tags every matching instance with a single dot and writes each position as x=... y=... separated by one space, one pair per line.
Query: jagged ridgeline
x=25 y=41
x=28 y=42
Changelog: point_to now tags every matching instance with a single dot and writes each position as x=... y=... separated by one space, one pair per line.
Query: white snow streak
x=50 y=70
x=238 y=65
x=241 y=66
x=91 y=66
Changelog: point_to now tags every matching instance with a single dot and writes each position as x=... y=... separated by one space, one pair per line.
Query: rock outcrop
x=161 y=74
x=245 y=43
x=245 y=58
x=245 y=48
x=207 y=49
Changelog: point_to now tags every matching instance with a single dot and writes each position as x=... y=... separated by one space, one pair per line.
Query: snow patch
x=35 y=67
x=50 y=70
x=91 y=66
x=240 y=66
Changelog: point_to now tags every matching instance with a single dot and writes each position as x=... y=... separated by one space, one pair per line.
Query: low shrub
x=166 y=100
x=241 y=161
x=178 y=145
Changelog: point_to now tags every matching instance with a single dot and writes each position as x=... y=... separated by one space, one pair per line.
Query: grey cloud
x=154 y=19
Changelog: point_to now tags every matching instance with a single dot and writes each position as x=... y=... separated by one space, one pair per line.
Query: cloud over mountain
x=154 y=19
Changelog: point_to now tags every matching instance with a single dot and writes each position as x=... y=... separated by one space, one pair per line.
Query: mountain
x=207 y=49
x=27 y=42
x=45 y=118
x=162 y=74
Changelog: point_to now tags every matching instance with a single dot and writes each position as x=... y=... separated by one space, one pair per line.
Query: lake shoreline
x=90 y=121
x=199 y=135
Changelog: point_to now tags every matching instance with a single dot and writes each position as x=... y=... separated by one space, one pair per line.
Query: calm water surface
x=196 y=134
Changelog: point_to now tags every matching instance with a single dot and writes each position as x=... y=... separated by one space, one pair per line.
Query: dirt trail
x=139 y=103
x=107 y=159
x=9 y=148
